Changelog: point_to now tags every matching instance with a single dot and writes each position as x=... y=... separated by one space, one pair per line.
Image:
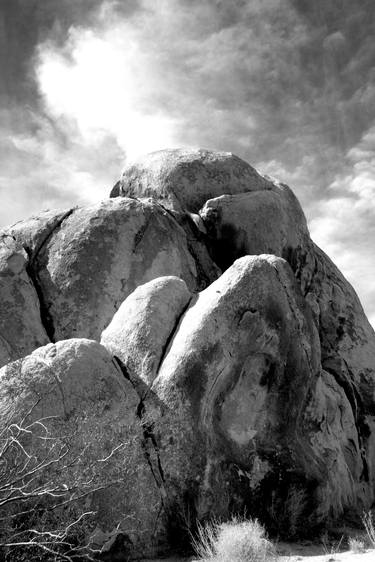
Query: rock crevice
x=45 y=316
x=149 y=437
x=32 y=269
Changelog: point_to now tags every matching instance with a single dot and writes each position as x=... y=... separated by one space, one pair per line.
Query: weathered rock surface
x=21 y=328
x=240 y=380
x=253 y=390
x=269 y=221
x=183 y=180
x=80 y=409
x=289 y=427
x=140 y=330
x=98 y=255
x=34 y=232
x=343 y=326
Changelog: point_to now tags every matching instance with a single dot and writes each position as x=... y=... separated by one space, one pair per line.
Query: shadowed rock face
x=247 y=362
x=244 y=375
x=268 y=221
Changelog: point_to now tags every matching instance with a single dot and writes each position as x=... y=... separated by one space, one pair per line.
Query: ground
x=291 y=552
x=318 y=553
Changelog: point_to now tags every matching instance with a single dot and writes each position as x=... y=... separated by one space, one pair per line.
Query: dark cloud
x=43 y=162
x=24 y=24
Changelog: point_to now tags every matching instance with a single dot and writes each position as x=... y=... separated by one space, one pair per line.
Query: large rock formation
x=241 y=356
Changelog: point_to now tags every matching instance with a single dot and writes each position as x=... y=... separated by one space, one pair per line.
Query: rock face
x=183 y=180
x=268 y=221
x=235 y=358
x=140 y=329
x=226 y=380
x=21 y=328
x=87 y=261
x=261 y=419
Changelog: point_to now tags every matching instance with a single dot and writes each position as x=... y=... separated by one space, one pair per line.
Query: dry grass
x=369 y=525
x=356 y=545
x=240 y=540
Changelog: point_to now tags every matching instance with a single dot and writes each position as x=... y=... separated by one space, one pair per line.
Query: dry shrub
x=356 y=545
x=204 y=543
x=50 y=484
x=369 y=525
x=239 y=540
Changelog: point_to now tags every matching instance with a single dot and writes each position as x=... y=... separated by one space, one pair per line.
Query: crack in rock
x=34 y=276
x=149 y=438
x=172 y=334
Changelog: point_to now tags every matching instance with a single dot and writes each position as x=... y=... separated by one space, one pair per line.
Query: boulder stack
x=236 y=367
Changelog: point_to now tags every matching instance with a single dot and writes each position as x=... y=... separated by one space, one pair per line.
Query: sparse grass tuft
x=331 y=548
x=369 y=525
x=239 y=540
x=356 y=545
x=204 y=543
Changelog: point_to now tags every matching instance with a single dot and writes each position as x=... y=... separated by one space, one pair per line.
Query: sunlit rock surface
x=183 y=180
x=140 y=330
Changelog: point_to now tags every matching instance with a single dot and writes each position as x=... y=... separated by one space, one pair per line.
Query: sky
x=289 y=85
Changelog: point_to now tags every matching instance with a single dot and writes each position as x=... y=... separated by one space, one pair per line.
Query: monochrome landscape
x=187 y=282
x=179 y=353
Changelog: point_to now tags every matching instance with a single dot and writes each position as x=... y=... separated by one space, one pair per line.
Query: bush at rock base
x=239 y=540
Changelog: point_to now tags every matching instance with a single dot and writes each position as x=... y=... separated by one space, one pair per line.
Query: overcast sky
x=288 y=85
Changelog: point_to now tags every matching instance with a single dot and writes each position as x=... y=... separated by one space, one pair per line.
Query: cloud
x=187 y=74
x=100 y=84
x=261 y=79
x=50 y=166
x=45 y=162
x=344 y=225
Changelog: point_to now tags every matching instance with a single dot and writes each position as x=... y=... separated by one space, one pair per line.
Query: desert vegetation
x=245 y=540
x=48 y=492
x=238 y=540
x=47 y=504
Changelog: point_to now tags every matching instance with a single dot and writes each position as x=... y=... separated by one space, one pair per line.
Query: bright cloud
x=98 y=84
x=51 y=166
x=344 y=226
x=178 y=74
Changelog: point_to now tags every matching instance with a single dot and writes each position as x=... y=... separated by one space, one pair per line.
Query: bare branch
x=40 y=473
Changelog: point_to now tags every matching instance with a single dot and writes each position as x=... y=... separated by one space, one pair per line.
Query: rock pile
x=190 y=332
